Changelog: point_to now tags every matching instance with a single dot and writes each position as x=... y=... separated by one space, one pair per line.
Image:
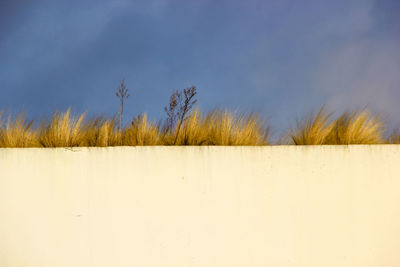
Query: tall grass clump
x=312 y=130
x=229 y=128
x=101 y=132
x=17 y=132
x=141 y=132
x=194 y=130
x=219 y=127
x=357 y=127
x=393 y=138
x=63 y=130
x=187 y=132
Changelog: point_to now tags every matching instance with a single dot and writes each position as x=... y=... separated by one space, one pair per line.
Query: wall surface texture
x=200 y=206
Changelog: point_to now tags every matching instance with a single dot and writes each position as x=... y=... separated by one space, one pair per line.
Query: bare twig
x=122 y=94
x=171 y=110
x=179 y=106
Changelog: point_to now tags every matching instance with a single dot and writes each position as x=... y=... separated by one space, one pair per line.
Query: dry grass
x=65 y=130
x=358 y=127
x=100 y=132
x=227 y=128
x=141 y=132
x=218 y=127
x=313 y=130
x=394 y=138
x=17 y=133
x=62 y=131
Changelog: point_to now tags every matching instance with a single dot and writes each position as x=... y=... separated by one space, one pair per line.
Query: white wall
x=200 y=206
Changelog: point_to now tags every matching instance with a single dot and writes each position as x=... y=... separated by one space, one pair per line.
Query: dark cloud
x=282 y=58
x=13 y=13
x=387 y=13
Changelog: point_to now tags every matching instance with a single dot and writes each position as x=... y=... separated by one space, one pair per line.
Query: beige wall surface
x=200 y=206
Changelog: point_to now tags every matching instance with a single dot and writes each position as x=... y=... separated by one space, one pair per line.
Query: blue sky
x=280 y=58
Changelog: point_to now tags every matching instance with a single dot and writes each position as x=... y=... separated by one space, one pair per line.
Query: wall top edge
x=172 y=148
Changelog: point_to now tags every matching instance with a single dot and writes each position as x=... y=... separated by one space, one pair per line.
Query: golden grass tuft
x=100 y=132
x=313 y=130
x=220 y=127
x=17 y=133
x=393 y=138
x=141 y=132
x=229 y=129
x=357 y=127
x=62 y=131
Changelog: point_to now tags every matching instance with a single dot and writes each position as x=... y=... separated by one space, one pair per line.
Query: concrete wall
x=200 y=206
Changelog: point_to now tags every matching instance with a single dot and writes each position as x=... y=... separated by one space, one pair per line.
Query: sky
x=282 y=58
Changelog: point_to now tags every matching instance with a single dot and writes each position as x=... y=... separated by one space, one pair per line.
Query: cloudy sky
x=281 y=58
